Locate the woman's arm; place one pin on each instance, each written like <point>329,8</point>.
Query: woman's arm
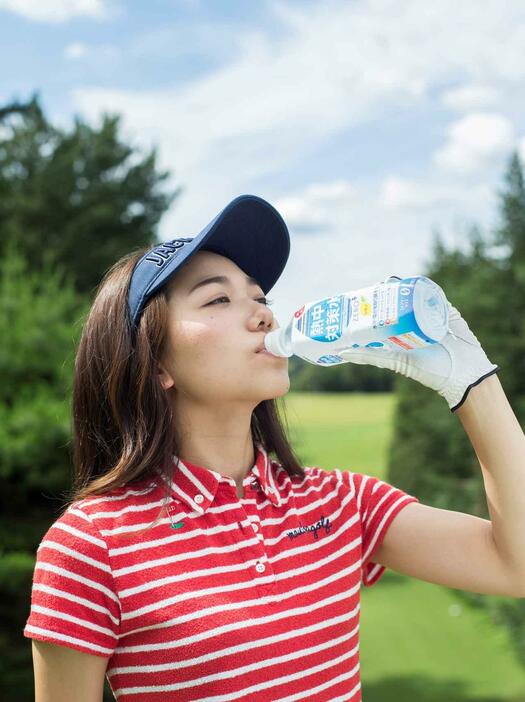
<point>63,674</point>
<point>499,443</point>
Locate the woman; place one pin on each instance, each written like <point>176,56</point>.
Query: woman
<point>189,564</point>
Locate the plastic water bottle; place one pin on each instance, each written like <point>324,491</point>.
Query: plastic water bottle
<point>396,314</point>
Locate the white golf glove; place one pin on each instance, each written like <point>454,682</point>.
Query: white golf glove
<point>451,367</point>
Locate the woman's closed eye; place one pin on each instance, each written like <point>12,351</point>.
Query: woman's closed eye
<point>264,300</point>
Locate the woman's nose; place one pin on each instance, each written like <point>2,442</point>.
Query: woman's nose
<point>265,316</point>
<point>268,319</point>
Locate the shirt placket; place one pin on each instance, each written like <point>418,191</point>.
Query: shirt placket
<point>262,571</point>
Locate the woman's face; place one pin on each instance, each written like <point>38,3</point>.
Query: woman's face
<point>213,333</point>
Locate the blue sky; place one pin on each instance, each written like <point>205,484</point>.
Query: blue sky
<point>368,124</point>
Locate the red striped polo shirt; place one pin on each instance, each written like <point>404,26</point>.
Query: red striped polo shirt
<point>254,598</point>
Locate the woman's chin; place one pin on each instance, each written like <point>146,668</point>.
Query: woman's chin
<point>277,389</point>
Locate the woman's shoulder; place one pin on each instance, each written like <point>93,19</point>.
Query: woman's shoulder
<point>321,476</point>
<point>97,508</point>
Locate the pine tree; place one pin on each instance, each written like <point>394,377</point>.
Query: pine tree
<point>431,455</point>
<point>71,203</point>
<point>82,192</point>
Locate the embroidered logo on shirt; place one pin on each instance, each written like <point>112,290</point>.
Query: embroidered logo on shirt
<point>323,522</point>
<point>177,526</point>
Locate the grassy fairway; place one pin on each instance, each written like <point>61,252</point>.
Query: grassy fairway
<point>418,641</point>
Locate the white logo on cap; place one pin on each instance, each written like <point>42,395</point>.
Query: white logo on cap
<point>167,250</point>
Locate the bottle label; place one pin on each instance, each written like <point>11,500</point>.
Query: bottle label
<point>326,319</point>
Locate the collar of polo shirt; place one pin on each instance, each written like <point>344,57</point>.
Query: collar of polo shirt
<point>197,486</point>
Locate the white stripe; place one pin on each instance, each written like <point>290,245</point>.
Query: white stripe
<point>57,614</point>
<point>361,491</point>
<point>314,487</point>
<point>154,543</point>
<point>243,647</point>
<point>346,476</point>
<point>210,611</point>
<point>246,669</point>
<point>378,530</point>
<point>173,537</point>
<point>174,487</point>
<point>378,484</point>
<point>195,481</point>
<point>307,694</point>
<point>42,565</point>
<point>243,585</point>
<point>385,497</point>
<point>373,571</point>
<point>79,513</point>
<point>190,555</point>
<point>232,506</point>
<point>365,515</point>
<point>92,500</point>
<point>299,612</point>
<point>54,546</point>
<point>74,598</point>
<point>68,639</point>
<point>180,577</point>
<point>80,534</point>
<point>269,476</point>
<point>191,534</point>
<point>141,527</point>
<point>145,565</point>
<point>187,535</point>
<point>128,509</point>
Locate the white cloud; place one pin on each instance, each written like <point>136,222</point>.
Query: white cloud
<point>313,209</point>
<point>474,142</point>
<point>79,50</point>
<point>75,50</point>
<point>339,65</point>
<point>402,193</point>
<point>358,245</point>
<point>56,11</point>
<point>467,98</point>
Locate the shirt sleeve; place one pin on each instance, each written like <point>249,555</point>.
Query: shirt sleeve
<point>73,597</point>
<point>378,503</point>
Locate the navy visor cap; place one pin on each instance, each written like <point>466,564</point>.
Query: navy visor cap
<point>249,231</point>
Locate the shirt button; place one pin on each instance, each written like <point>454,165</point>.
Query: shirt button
<point>260,567</point>
<point>255,526</point>
<point>199,499</point>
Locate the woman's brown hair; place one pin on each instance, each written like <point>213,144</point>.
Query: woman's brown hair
<point>123,426</point>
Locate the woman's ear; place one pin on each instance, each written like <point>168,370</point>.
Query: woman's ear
<point>165,378</point>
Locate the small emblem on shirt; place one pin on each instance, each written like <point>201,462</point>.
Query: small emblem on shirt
<point>323,522</point>
<point>177,526</point>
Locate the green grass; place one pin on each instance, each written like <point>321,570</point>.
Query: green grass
<point>340,430</point>
<point>418,641</point>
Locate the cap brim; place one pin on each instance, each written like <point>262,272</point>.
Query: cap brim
<point>249,231</point>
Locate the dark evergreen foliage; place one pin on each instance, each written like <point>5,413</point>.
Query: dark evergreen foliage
<point>431,455</point>
<point>71,203</point>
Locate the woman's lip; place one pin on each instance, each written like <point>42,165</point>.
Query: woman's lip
<point>267,353</point>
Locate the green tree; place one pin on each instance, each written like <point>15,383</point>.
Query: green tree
<point>346,377</point>
<point>71,203</point>
<point>39,326</point>
<point>84,193</point>
<point>431,455</point>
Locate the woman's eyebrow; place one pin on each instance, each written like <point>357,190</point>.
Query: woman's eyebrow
<point>220,279</point>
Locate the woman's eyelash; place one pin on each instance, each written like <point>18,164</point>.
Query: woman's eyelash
<point>266,301</point>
